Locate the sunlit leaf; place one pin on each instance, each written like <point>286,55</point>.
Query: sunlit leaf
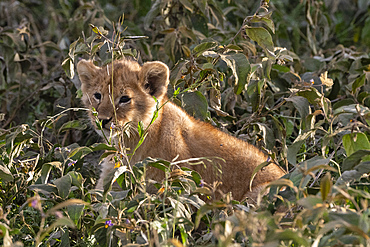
<point>79,152</point>
<point>325,186</point>
<point>46,168</point>
<point>355,142</point>
<point>68,67</point>
<point>77,179</point>
<point>262,37</point>
<point>325,80</point>
<point>102,146</point>
<point>202,47</point>
<point>45,189</point>
<point>187,4</point>
<point>112,176</point>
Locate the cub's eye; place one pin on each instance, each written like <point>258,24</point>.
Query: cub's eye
<point>124,99</point>
<point>97,96</point>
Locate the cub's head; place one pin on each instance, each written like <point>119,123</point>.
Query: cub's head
<point>122,92</point>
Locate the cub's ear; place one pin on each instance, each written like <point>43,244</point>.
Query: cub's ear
<point>154,77</point>
<point>86,71</point>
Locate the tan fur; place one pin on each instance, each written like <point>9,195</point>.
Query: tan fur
<point>174,133</point>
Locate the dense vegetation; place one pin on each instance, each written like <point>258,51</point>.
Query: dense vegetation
<point>291,77</point>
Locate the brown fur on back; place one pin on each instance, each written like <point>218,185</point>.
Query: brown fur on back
<point>174,133</point>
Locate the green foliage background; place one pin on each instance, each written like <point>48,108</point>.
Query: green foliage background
<point>291,77</point>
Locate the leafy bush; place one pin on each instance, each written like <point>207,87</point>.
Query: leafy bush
<point>293,79</point>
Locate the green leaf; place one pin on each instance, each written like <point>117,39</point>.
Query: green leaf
<point>154,11</point>
<point>79,153</point>
<point>254,92</point>
<point>356,171</point>
<point>77,179</point>
<point>112,176</point>
<point>281,68</point>
<point>262,37</point>
<point>357,147</point>
<point>45,189</point>
<point>187,4</point>
<point>97,47</point>
<point>119,196</point>
<point>199,23</point>
<point>101,236</point>
<point>162,165</point>
<point>301,104</point>
<point>293,150</point>
<point>363,167</point>
<point>64,221</point>
<point>363,96</point>
<point>5,174</point>
<point>207,66</point>
<point>74,124</point>
<point>169,45</point>
<point>325,186</point>
<point>46,168</point>
<point>202,47</point>
<point>269,23</point>
<point>359,82</point>
<point>196,177</point>
<point>310,202</point>
<point>64,239</point>
<point>17,39</point>
<point>216,12</point>
<point>265,19</point>
<point>313,96</point>
<point>313,165</point>
<point>102,146</point>
<point>352,108</point>
<point>233,47</point>
<point>207,208</point>
<point>75,212</point>
<point>68,67</point>
<point>65,204</point>
<point>354,142</point>
<point>283,182</point>
<point>241,69</point>
<point>63,185</point>
<point>195,104</point>
<point>354,159</point>
<point>295,236</point>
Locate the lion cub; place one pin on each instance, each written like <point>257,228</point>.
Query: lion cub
<point>174,134</point>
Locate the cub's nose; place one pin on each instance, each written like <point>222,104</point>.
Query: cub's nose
<point>104,122</point>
